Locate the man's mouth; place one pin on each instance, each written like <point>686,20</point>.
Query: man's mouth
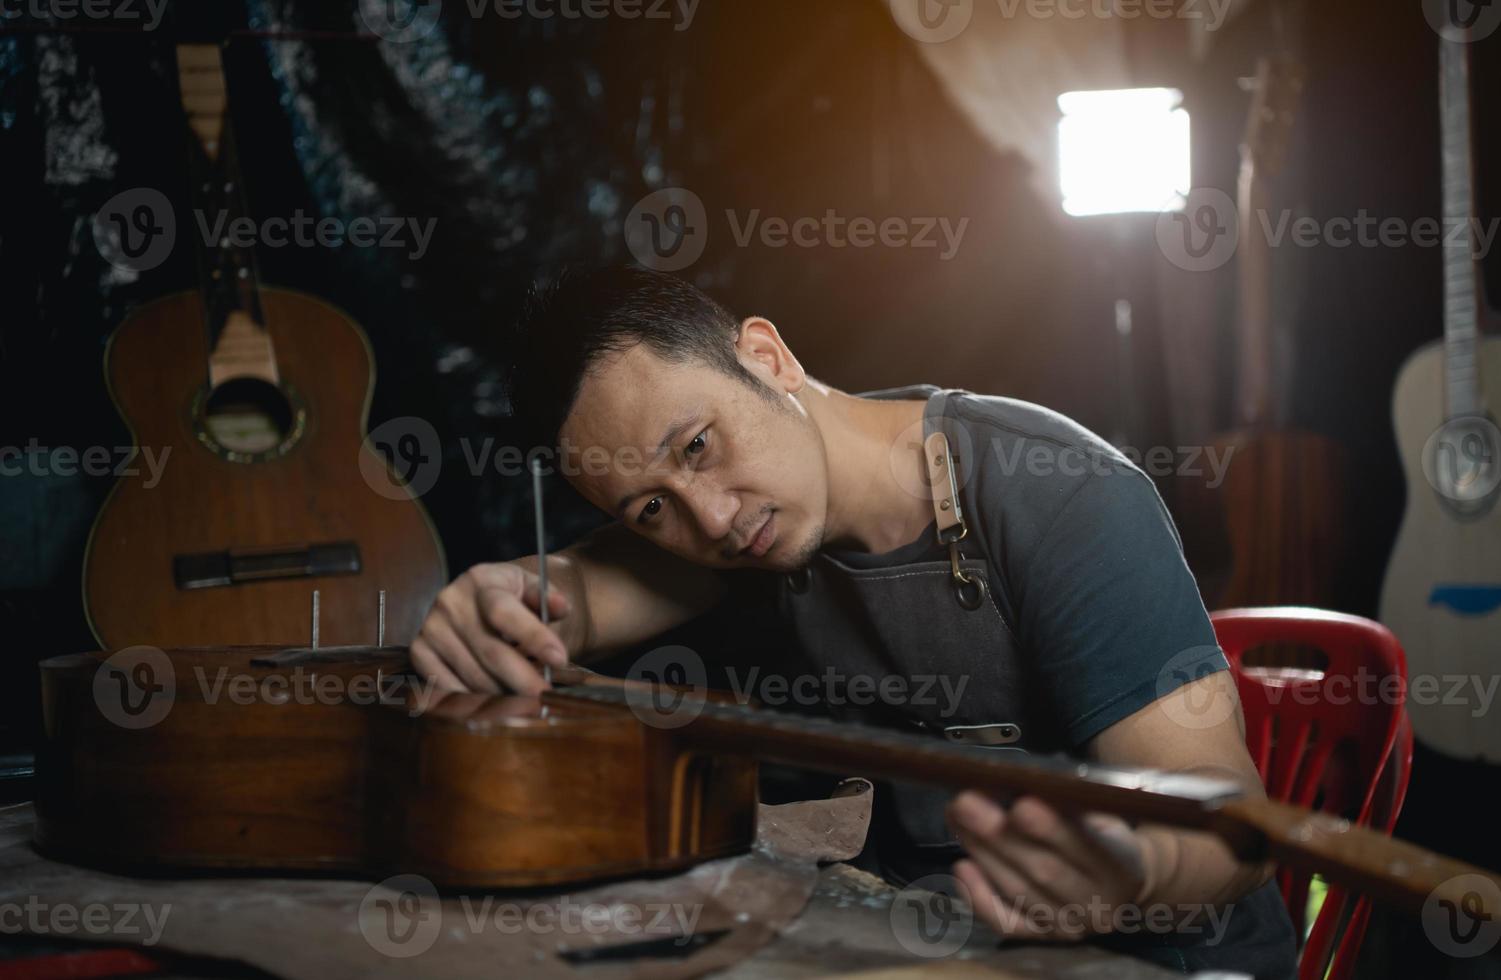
<point>761,542</point>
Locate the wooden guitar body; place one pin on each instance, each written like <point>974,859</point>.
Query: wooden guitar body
<point>339,765</point>
<point>337,761</point>
<point>1442,593</point>
<point>226,547</point>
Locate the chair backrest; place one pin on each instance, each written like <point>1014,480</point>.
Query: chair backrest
<point>1322,737</point>
<point>1319,737</point>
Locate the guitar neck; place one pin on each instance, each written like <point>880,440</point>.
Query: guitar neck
<point>1462,390</point>
<point>1256,829</point>
<point>228,279</point>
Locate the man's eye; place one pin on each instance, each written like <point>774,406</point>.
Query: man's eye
<point>653,506</point>
<point>698,445</point>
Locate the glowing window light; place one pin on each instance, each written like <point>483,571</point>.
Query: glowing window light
<point>1123,150</point>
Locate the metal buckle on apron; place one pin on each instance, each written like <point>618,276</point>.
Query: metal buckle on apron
<point>968,589</point>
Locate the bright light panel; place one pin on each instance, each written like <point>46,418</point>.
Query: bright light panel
<point>1123,150</point>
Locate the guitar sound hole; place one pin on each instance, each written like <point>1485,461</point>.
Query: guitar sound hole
<point>248,417</point>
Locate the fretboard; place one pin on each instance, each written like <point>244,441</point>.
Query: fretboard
<point>1461,274</point>
<point>845,748</point>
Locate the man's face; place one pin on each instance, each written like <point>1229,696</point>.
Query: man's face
<point>734,458</point>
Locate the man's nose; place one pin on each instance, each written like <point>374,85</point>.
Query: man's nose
<point>712,507</point>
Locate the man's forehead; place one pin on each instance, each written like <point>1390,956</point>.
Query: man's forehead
<point>632,399</point>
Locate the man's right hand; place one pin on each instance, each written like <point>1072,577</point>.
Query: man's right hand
<point>485,633</point>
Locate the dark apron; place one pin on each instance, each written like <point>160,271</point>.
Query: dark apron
<point>909,623</point>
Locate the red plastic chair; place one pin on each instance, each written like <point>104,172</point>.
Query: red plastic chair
<point>1336,739</point>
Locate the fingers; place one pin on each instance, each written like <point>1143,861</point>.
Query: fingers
<point>1043,871</point>
<point>432,667</point>
<point>439,636</point>
<point>509,617</point>
<point>482,636</point>
<point>558,603</point>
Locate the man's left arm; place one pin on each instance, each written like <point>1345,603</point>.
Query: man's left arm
<point>1084,870</point>
<point>1127,658</point>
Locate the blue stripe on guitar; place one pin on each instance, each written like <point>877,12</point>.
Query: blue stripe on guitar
<point>1467,600</point>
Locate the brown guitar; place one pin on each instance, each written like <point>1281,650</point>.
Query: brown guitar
<point>255,401</point>
<point>1283,489</point>
<point>335,760</point>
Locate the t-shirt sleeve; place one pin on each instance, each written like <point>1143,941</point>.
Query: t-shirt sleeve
<point>1108,609</point>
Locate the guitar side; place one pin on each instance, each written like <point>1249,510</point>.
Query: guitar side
<point>1442,592</point>
<point>195,501</point>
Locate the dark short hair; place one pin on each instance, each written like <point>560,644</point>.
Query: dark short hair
<point>570,324</point>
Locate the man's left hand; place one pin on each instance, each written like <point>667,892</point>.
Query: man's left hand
<point>1034,873</point>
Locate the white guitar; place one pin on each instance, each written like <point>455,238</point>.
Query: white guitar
<point>1442,594</point>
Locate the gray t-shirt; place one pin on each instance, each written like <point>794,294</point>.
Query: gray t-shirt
<point>1085,564</point>
<point>1091,614</point>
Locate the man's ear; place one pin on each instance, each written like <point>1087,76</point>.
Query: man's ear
<point>762,349</point>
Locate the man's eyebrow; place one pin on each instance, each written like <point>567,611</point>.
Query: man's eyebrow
<point>673,433</point>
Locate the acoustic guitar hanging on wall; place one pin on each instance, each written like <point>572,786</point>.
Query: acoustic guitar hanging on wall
<point>1442,593</point>
<point>256,398</point>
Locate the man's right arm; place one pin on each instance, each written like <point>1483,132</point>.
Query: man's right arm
<point>611,590</point>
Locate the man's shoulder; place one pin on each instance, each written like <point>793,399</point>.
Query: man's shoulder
<point>1028,461</point>
<point>995,422</point>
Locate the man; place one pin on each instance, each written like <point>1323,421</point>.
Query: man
<point>1063,620</point>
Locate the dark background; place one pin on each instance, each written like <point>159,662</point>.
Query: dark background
<point>530,141</point>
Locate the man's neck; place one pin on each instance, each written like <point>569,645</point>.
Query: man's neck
<point>875,457</point>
